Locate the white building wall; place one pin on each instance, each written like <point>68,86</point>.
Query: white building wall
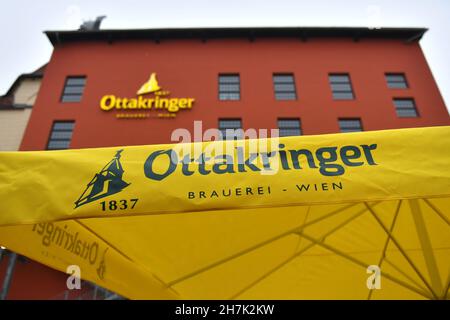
<point>14,122</point>
<point>12,128</point>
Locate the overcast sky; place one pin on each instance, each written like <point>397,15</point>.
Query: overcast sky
<point>25,48</point>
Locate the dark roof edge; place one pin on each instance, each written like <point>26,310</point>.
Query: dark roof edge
<point>37,74</point>
<point>15,106</point>
<point>406,34</point>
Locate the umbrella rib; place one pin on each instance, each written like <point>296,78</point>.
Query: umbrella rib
<point>427,248</point>
<point>304,221</point>
<point>254,247</point>
<point>320,242</point>
<point>400,248</point>
<point>120,252</point>
<point>383,254</point>
<point>269,273</point>
<point>405,274</point>
<point>104,240</point>
<point>443,217</point>
<point>438,212</point>
<point>343,255</point>
<point>295,255</point>
<point>356,261</point>
<point>374,251</point>
<point>445,293</point>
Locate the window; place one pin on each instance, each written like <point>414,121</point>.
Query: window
<point>289,127</point>
<point>406,108</point>
<point>396,81</point>
<point>61,135</point>
<point>350,125</point>
<point>73,90</point>
<point>284,86</point>
<point>231,129</point>
<point>229,87</point>
<point>341,87</point>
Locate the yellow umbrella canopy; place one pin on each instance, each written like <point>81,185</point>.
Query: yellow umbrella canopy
<point>345,216</point>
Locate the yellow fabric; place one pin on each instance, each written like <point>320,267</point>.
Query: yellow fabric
<point>389,207</point>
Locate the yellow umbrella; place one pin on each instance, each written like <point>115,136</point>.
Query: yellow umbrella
<point>345,216</point>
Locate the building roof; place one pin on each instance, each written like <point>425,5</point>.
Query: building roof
<point>7,100</point>
<point>14,106</point>
<point>303,33</point>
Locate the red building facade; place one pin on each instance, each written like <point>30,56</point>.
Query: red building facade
<point>189,63</point>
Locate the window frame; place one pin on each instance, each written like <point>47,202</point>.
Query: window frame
<point>275,83</point>
<point>391,74</point>
<point>53,130</point>
<point>290,127</point>
<point>414,107</point>
<point>220,78</point>
<point>340,120</point>
<point>335,92</point>
<point>224,135</point>
<point>65,94</point>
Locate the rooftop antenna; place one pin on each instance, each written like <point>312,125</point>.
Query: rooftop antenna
<point>92,25</point>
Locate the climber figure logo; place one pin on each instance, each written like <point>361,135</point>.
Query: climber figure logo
<point>105,183</point>
<point>150,86</point>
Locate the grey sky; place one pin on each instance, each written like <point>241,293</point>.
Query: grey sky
<point>25,48</point>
